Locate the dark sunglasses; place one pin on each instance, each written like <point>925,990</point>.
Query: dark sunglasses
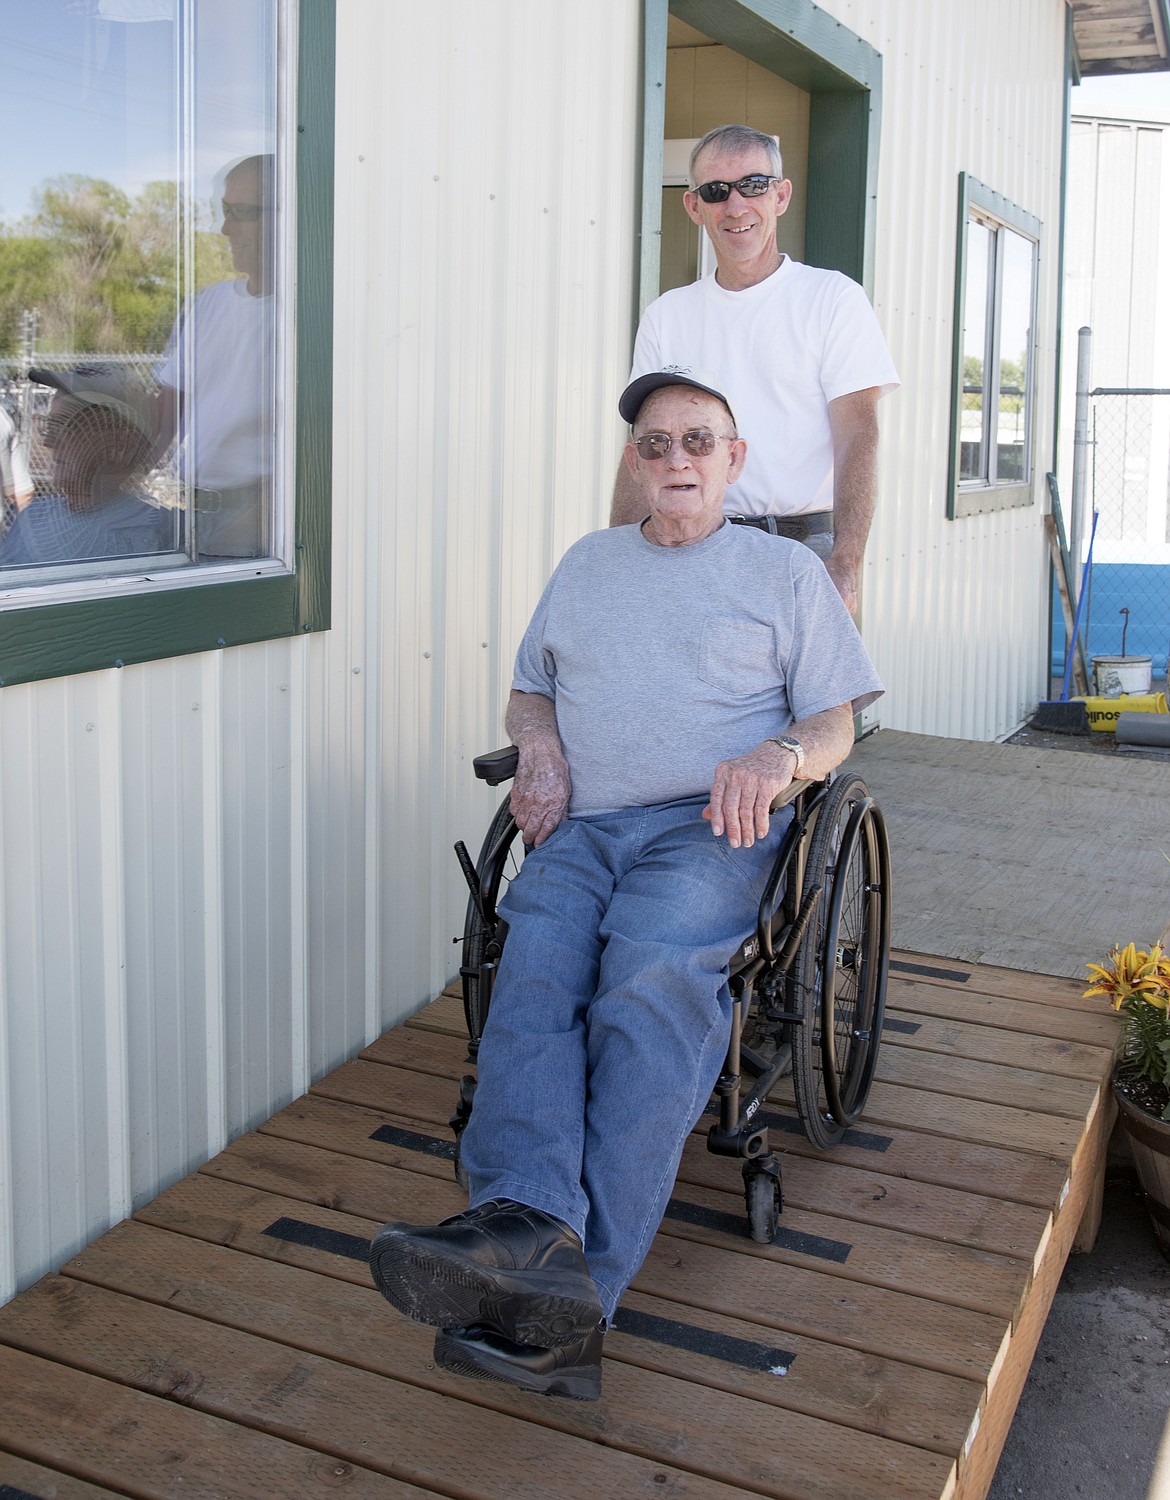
<point>698,443</point>
<point>754,186</point>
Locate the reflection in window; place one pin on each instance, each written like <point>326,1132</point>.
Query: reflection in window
<point>996,277</point>
<point>138,331</point>
<point>976,328</point>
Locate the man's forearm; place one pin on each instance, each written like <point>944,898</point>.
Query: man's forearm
<point>827,739</point>
<point>542,786</point>
<point>854,496</point>
<point>531,717</point>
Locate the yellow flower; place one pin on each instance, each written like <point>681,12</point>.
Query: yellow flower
<point>1133,972</point>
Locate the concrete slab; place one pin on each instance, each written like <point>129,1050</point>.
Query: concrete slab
<point>1040,858</point>
<point>1034,858</point>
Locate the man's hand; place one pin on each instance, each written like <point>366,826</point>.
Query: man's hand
<point>540,791</point>
<point>742,793</point>
<point>844,576</point>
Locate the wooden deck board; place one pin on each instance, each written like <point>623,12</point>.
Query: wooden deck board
<point>227,1341</point>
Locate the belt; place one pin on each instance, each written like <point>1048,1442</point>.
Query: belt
<point>814,523</point>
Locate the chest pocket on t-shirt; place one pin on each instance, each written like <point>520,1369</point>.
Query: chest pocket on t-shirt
<point>737,656</point>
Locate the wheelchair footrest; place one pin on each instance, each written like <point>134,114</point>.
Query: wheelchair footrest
<point>742,1140</point>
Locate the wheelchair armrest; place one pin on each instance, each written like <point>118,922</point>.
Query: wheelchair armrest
<point>789,794</point>
<point>497,765</point>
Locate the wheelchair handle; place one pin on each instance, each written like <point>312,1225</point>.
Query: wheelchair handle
<point>497,765</point>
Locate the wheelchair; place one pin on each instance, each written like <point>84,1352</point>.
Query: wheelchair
<point>808,986</point>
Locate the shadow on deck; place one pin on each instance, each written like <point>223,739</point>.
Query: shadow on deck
<point>227,1342</point>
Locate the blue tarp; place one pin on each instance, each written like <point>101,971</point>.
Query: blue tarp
<point>1143,588</point>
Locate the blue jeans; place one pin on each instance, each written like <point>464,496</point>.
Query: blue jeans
<point>609,1022</point>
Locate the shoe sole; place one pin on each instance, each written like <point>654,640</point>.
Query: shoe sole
<point>529,1307</point>
<point>576,1382</point>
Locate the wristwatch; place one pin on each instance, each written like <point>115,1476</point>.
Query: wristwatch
<point>795,746</point>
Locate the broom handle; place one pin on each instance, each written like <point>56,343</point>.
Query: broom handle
<point>1076,630</point>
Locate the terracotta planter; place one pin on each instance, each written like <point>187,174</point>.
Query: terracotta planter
<point>1150,1139</point>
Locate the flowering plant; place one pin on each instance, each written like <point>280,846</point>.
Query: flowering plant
<point>1138,983</point>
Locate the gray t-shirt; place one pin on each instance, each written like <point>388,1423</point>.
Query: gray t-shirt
<point>663,661</point>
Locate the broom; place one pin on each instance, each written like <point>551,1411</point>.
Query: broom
<point>1059,714</point>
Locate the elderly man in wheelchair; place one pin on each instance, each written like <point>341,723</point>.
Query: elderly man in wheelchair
<point>677,678</point>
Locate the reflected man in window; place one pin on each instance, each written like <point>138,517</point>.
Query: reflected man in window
<point>216,378</point>
<point>99,433</point>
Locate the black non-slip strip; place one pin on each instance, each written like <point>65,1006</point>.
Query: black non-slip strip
<point>864,1140</point>
<point>313,1237</point>
<point>908,1028</point>
<point>8,1493</point>
<point>413,1140</point>
<point>960,976</point>
<point>722,1346</point>
<point>785,1239</point>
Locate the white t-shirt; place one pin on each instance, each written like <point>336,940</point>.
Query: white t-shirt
<point>783,349</point>
<point>228,421</point>
<point>14,476</point>
<point>663,661</point>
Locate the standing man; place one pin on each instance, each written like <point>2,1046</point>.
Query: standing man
<point>801,352</point>
<point>216,377</point>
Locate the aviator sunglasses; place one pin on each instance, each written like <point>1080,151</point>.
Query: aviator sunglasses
<point>698,443</point>
<point>754,186</point>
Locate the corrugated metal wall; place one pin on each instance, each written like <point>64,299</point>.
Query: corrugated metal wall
<point>954,611</point>
<point>220,875</point>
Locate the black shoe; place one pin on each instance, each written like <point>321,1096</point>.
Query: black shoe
<point>514,1269</point>
<point>573,1370</point>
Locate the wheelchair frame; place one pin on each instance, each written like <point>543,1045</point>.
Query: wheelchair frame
<point>808,986</point>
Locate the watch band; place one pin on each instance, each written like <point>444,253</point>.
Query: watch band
<point>795,746</point>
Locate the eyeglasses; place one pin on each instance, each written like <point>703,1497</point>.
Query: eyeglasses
<point>243,213</point>
<point>698,443</point>
<point>754,186</point>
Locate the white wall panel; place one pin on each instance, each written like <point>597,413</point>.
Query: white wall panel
<point>955,611</point>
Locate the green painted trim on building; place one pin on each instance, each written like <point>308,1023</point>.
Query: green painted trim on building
<point>58,640</point>
<point>798,41</point>
<point>794,38</point>
<point>654,18</point>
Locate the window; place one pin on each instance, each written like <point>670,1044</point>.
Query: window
<point>175,189</point>
<point>995,314</point>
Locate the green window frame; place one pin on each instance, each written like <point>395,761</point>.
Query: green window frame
<point>93,633</point>
<point>993,367</point>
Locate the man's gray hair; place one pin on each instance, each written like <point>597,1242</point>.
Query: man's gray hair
<point>736,138</point>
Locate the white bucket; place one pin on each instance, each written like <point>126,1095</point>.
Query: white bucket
<point>1122,674</point>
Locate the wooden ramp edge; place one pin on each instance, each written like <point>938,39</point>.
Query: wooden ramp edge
<point>226,1342</point>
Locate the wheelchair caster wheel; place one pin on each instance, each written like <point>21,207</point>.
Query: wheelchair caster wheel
<point>761,1180</point>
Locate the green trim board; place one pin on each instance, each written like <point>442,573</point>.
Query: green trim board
<point>972,499</point>
<point>800,42</point>
<point>63,639</point>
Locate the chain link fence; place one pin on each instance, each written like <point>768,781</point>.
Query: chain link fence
<point>1127,611</point>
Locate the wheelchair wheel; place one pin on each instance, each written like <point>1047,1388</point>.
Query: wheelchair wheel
<point>484,932</point>
<point>842,964</point>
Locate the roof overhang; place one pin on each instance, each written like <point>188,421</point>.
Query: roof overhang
<point>1121,36</point>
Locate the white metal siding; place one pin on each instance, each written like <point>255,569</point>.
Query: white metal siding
<point>954,612</point>
<point>219,875</point>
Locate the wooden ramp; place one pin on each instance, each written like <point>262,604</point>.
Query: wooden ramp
<point>227,1342</point>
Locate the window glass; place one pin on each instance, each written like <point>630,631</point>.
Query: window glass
<point>976,328</point>
<point>1015,324</point>
<point>139,240</point>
